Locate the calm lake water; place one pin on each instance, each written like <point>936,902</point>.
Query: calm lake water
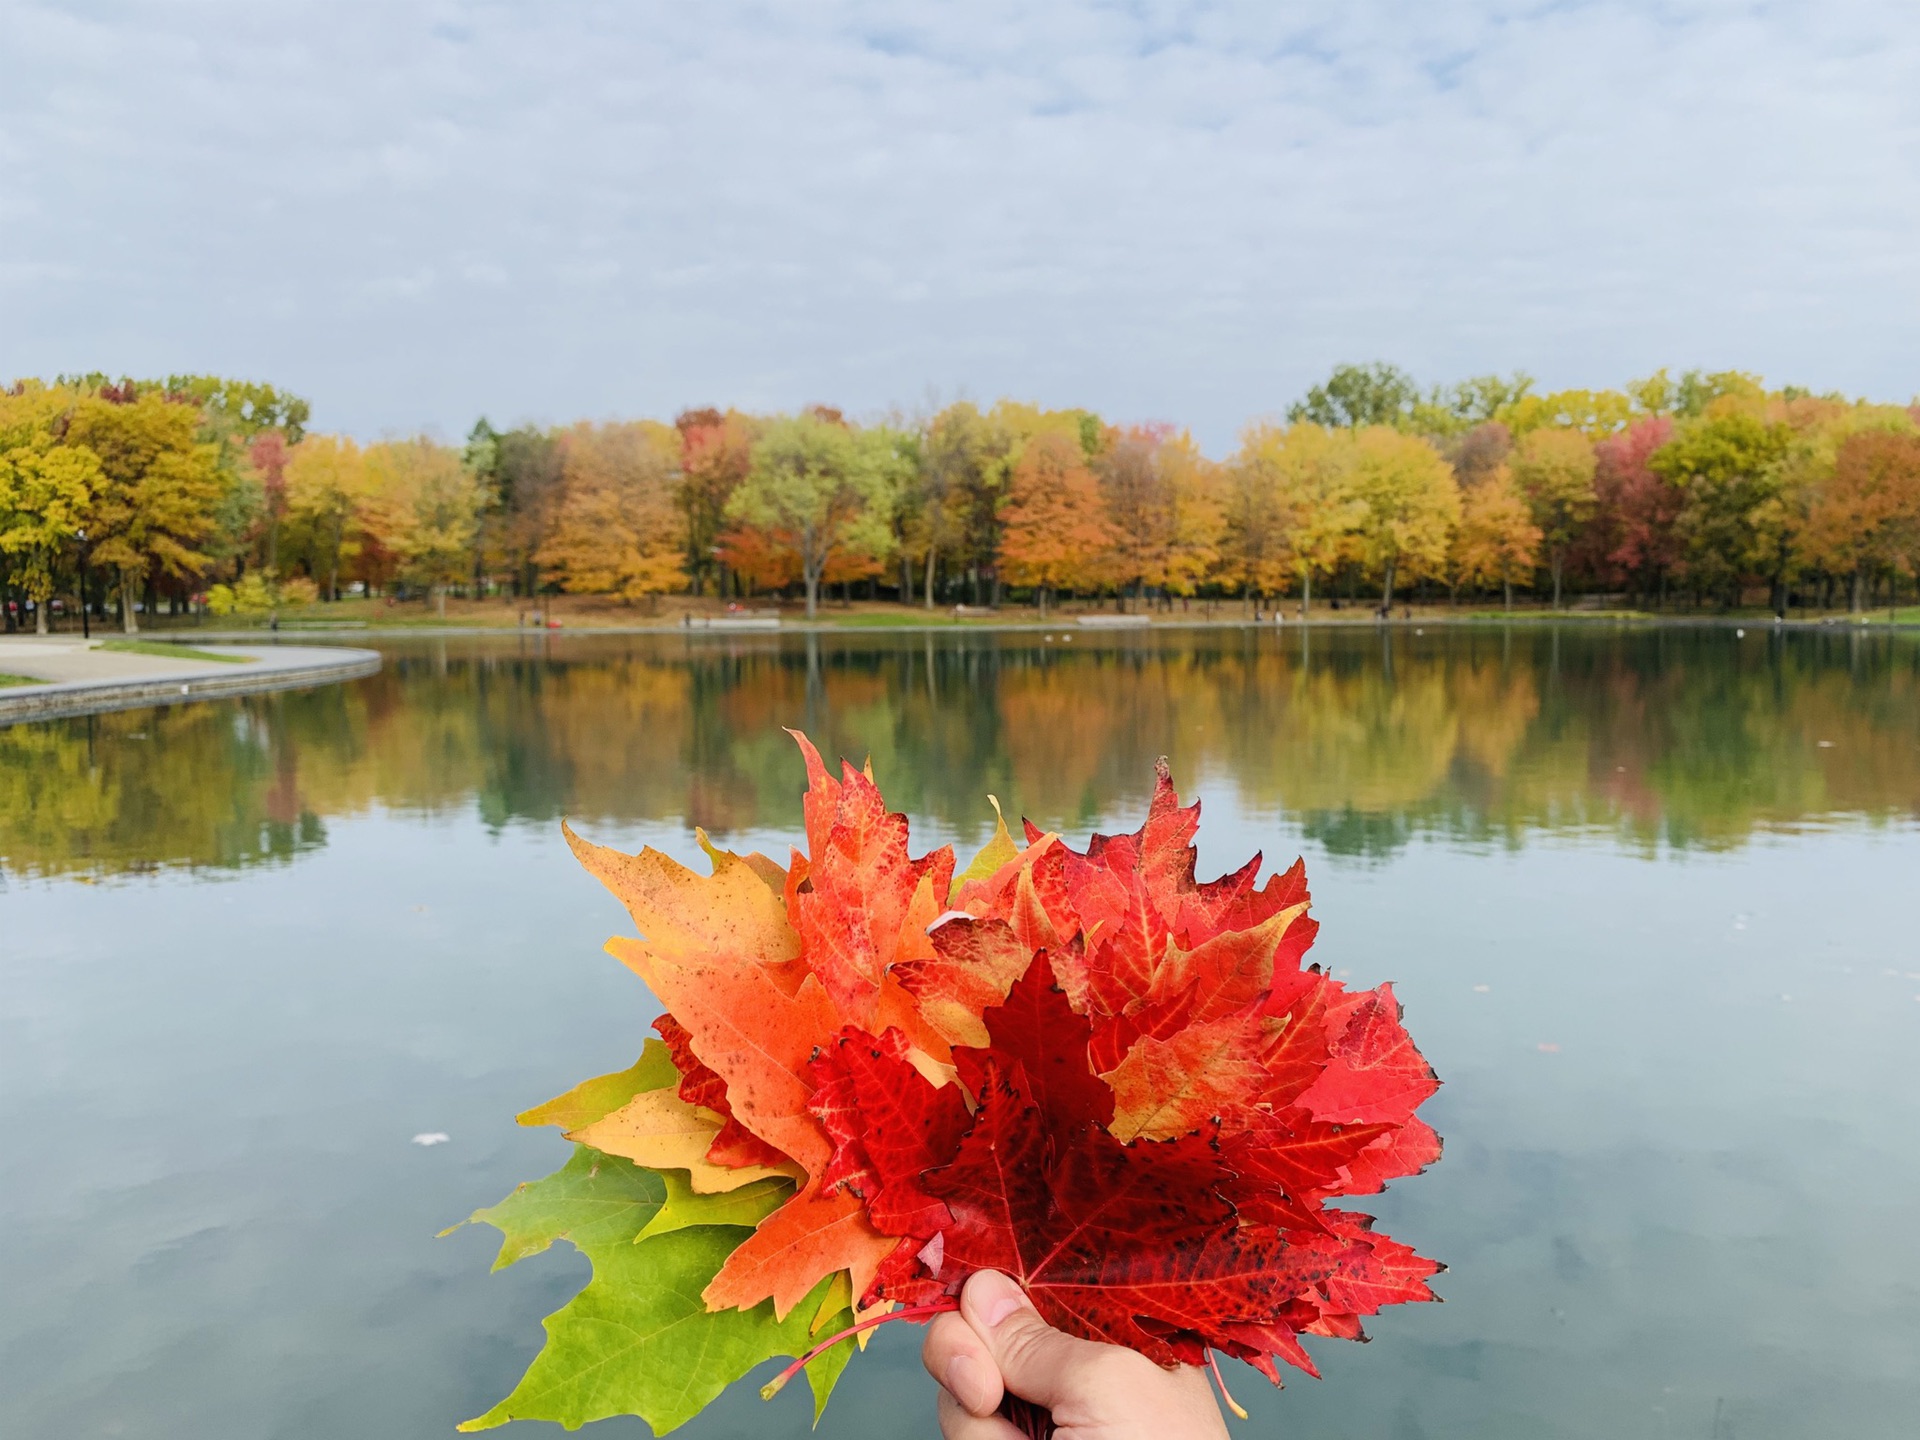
<point>1649,899</point>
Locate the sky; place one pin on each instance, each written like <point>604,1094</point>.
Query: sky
<point>418,213</point>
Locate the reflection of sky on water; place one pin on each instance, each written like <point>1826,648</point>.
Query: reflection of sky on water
<point>1679,1114</point>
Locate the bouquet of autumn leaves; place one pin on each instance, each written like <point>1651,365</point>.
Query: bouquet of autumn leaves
<point>874,1077</point>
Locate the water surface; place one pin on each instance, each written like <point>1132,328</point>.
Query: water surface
<point>1645,895</point>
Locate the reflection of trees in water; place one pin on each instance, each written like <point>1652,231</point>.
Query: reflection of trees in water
<point>1366,740</point>
<point>201,786</point>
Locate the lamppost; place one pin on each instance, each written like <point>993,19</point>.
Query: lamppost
<point>86,629</point>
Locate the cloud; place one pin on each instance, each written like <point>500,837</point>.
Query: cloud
<point>415,213</point>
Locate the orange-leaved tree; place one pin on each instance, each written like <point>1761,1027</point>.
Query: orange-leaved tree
<point>1054,530</point>
<point>1865,521</point>
<point>1497,539</point>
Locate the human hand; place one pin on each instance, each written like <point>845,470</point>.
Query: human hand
<point>997,1343</point>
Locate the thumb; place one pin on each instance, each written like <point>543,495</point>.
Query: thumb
<point>1036,1361</point>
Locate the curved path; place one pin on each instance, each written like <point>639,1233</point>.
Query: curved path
<point>80,679</point>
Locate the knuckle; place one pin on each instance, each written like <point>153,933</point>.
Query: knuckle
<point>1023,1342</point>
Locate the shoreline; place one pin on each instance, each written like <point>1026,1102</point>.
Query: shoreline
<point>1070,624</point>
<point>187,682</point>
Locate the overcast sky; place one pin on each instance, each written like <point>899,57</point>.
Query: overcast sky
<point>417,213</point>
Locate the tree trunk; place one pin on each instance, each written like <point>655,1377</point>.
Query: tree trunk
<point>812,578</point>
<point>440,600</point>
<point>40,615</point>
<point>1559,563</point>
<point>1042,590</point>
<point>1386,588</point>
<point>129,622</point>
<point>1507,585</point>
<point>1857,605</point>
<point>1306,592</point>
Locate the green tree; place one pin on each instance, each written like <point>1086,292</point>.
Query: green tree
<point>824,486</point>
<point>1725,466</point>
<point>1356,395</point>
<point>1554,469</point>
<point>948,487</point>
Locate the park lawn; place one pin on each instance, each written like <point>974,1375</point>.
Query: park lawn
<point>166,651</point>
<point>6,680</point>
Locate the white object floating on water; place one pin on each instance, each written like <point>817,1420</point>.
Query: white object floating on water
<point>1548,1047</point>
<point>432,1137</point>
<point>1825,744</point>
<point>1481,989</point>
<point>1739,634</point>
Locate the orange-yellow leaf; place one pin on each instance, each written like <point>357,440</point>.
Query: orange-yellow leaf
<point>1168,1088</point>
<point>806,1239</point>
<point>974,966</point>
<point>743,1025</point>
<point>728,915</point>
<point>661,1131</point>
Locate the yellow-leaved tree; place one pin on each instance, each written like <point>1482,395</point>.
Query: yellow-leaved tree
<point>1308,478</point>
<point>424,506</point>
<point>327,497</point>
<point>46,487</point>
<point>618,528</point>
<point>158,490</point>
<point>1554,470</point>
<point>1411,506</point>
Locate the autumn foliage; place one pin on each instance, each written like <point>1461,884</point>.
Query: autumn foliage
<point>1085,1068</point>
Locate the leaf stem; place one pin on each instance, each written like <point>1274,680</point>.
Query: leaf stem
<point>910,1312</point>
<point>1213,1363</point>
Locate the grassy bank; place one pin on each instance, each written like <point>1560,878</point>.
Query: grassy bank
<point>167,650</point>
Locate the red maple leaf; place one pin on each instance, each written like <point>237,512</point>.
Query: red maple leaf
<point>1116,1083</point>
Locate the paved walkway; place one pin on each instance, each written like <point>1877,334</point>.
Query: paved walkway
<point>81,677</point>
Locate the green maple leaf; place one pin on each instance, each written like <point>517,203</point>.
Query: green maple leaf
<point>639,1340</point>
<point>748,1205</point>
<point>593,1199</point>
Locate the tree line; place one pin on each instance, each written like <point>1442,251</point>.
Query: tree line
<point>1708,488</point>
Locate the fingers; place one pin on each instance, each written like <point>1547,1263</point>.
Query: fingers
<point>961,1362</point>
<point>1026,1355</point>
<point>957,1424</point>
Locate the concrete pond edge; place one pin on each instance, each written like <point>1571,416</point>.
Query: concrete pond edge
<point>318,665</point>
